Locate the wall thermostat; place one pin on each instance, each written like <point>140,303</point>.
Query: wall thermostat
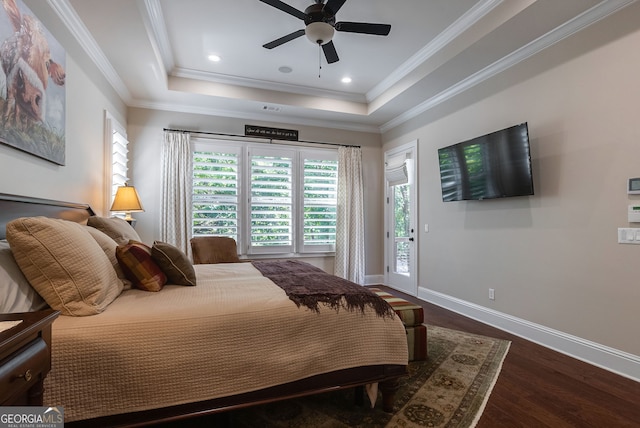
<point>633,188</point>
<point>634,213</point>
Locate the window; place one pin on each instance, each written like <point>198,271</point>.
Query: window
<point>117,158</point>
<point>276,199</point>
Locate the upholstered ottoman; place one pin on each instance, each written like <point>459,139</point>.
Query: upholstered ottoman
<point>412,317</point>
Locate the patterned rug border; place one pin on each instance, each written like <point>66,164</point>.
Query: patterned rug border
<point>498,369</point>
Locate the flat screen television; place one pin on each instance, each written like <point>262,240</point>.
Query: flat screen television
<point>496,165</point>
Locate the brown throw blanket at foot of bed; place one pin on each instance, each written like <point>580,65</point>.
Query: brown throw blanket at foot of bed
<point>309,286</point>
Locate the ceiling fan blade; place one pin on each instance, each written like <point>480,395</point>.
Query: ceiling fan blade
<point>363,27</point>
<point>286,8</point>
<point>284,39</point>
<point>334,5</point>
<point>330,52</point>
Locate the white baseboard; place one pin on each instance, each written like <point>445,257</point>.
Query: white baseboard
<point>614,360</point>
<point>373,279</point>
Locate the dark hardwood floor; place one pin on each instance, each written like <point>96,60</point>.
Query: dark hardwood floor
<point>539,387</point>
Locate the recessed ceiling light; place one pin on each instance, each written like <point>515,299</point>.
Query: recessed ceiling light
<point>285,69</point>
<point>213,58</point>
<point>346,80</point>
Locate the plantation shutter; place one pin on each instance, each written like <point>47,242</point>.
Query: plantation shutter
<point>216,189</point>
<point>119,158</point>
<point>320,172</point>
<point>271,201</point>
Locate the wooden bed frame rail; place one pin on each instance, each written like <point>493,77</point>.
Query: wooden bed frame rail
<point>387,377</point>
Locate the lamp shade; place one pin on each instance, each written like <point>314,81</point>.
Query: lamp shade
<point>127,200</point>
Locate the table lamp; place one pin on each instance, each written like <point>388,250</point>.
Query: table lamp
<point>127,201</point>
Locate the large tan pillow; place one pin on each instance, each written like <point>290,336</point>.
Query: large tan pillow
<point>109,246</point>
<point>116,228</point>
<point>64,264</point>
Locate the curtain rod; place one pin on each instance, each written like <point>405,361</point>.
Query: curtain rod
<point>291,142</point>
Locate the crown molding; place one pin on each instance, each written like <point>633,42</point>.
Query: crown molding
<point>451,33</point>
<point>157,31</point>
<point>266,85</point>
<point>591,16</point>
<point>77,28</point>
<point>266,117</point>
<point>154,13</point>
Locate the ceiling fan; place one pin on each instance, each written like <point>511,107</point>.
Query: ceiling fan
<point>320,24</point>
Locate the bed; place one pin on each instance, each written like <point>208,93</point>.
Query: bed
<point>236,339</point>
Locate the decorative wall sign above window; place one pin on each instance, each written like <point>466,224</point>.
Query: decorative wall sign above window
<point>275,133</point>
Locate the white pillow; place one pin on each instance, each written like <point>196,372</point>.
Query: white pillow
<point>16,294</point>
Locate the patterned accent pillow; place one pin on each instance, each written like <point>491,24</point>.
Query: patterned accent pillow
<point>115,228</point>
<point>64,264</point>
<point>136,263</point>
<point>174,263</point>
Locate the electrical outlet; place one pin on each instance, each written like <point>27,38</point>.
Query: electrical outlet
<point>492,294</point>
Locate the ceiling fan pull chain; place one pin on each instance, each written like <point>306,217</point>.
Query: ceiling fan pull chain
<point>319,59</point>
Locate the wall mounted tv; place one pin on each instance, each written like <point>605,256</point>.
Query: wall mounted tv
<point>496,165</point>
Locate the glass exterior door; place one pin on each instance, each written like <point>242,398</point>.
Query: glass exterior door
<point>400,246</point>
<point>402,233</point>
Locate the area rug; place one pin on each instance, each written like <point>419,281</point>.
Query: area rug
<point>449,389</point>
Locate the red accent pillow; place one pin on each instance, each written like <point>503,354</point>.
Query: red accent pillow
<point>138,266</point>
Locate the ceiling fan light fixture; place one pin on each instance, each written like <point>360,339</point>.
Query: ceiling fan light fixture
<point>319,32</point>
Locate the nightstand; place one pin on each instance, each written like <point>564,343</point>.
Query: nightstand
<point>25,357</point>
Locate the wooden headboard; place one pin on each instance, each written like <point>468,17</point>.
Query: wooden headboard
<point>14,206</point>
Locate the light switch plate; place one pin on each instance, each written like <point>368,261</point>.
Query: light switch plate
<point>629,235</point>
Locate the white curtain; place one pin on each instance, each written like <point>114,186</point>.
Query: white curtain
<point>349,262</point>
<point>175,204</point>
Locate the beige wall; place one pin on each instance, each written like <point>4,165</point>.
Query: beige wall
<point>553,258</point>
<point>145,131</point>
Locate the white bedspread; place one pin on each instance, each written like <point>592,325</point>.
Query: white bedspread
<point>234,332</point>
